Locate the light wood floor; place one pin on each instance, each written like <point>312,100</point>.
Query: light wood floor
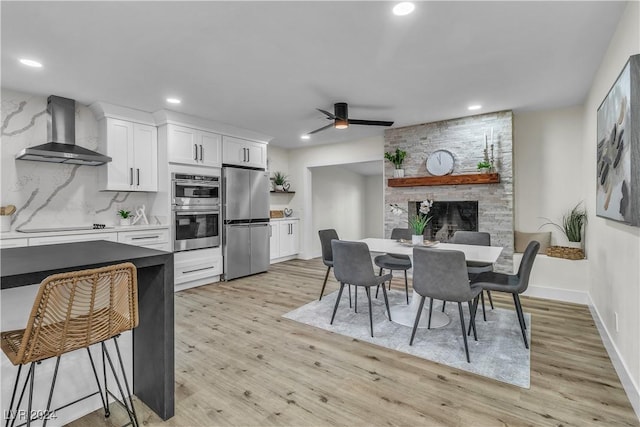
<point>239,363</point>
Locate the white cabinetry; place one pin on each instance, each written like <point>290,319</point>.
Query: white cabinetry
<point>70,238</point>
<point>242,152</point>
<point>193,147</point>
<point>152,239</point>
<point>195,268</point>
<point>285,240</point>
<point>133,148</point>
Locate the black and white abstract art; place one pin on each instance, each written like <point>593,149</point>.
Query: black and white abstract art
<point>618,168</point>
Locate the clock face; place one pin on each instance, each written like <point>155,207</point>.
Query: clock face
<point>440,163</point>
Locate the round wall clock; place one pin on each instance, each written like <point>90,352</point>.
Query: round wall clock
<point>440,162</point>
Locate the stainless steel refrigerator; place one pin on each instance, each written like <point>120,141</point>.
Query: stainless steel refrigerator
<point>245,215</point>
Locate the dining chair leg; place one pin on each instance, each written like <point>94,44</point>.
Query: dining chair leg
<point>521,312</point>
<point>490,299</point>
<point>326,276</point>
<point>366,289</point>
<point>516,301</point>
<point>484,315</point>
<point>443,304</point>
<point>430,311</point>
<point>378,287</point>
<point>355,291</point>
<point>30,404</point>
<point>13,396</point>
<point>472,324</point>
<point>104,399</point>
<point>464,332</point>
<point>349,295</point>
<point>337,302</point>
<point>415,323</point>
<point>473,312</point>
<point>406,286</point>
<point>386,301</point>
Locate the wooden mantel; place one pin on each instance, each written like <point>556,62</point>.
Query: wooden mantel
<point>464,179</point>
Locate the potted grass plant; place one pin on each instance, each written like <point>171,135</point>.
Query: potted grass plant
<point>572,226</point>
<point>396,158</point>
<point>125,217</point>
<point>417,223</point>
<point>279,180</point>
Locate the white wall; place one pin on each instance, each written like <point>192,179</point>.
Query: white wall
<point>300,162</point>
<point>613,248</point>
<point>338,201</point>
<point>548,168</point>
<point>374,206</point>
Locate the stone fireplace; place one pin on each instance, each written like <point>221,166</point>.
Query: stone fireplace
<point>447,218</point>
<point>476,207</point>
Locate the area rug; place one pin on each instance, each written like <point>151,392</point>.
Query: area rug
<point>499,352</point>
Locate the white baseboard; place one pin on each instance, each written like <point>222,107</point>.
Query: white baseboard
<point>630,387</point>
<point>558,294</point>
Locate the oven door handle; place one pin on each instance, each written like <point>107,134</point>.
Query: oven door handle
<point>184,213</point>
<point>196,183</point>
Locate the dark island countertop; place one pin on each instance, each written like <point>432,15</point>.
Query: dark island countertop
<point>153,339</point>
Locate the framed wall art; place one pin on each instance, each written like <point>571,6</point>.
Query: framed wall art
<point>618,131</point>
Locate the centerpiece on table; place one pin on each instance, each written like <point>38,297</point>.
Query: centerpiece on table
<point>418,222</point>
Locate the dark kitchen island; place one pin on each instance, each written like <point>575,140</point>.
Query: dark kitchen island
<point>153,339</point>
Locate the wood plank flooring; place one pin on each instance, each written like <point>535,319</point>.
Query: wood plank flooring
<point>239,363</point>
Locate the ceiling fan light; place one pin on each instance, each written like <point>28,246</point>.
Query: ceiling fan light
<point>341,124</point>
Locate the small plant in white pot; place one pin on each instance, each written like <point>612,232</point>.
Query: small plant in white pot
<point>484,166</point>
<point>279,180</point>
<point>396,158</point>
<point>572,227</point>
<point>125,217</point>
<point>417,223</point>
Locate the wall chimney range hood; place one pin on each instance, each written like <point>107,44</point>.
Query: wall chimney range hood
<point>61,134</point>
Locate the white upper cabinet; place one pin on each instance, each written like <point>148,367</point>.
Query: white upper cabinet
<point>130,138</point>
<point>242,152</point>
<point>133,148</point>
<point>193,147</point>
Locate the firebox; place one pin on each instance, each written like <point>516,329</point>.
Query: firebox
<point>447,218</point>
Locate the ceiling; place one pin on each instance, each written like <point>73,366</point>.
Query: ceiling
<point>267,66</point>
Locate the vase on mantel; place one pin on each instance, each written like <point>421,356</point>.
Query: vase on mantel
<point>417,239</point>
<point>398,173</point>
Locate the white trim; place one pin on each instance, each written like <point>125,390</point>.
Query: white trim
<point>558,294</point>
<point>629,385</point>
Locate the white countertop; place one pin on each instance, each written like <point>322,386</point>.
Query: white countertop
<point>117,228</point>
<point>286,218</point>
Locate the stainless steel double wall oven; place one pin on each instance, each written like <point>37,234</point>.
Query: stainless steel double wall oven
<point>196,211</point>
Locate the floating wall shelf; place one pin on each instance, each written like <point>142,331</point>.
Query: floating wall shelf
<point>282,192</point>
<point>464,179</point>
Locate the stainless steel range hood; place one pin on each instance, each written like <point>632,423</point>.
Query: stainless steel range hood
<point>61,134</point>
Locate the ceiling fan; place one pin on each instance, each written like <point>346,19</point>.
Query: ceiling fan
<point>341,119</point>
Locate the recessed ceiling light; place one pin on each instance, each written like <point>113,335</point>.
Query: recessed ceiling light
<point>404,8</point>
<point>474,107</point>
<point>173,101</point>
<point>30,63</point>
<point>305,137</point>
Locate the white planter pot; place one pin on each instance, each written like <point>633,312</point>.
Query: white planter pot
<point>398,173</point>
<point>125,221</point>
<point>279,188</point>
<point>484,170</point>
<point>417,239</point>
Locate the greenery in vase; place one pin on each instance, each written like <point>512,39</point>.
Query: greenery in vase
<point>124,214</point>
<point>396,158</point>
<point>573,223</point>
<point>279,178</point>
<point>419,222</point>
<point>484,165</point>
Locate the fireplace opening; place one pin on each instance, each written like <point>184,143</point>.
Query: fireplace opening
<point>447,218</point>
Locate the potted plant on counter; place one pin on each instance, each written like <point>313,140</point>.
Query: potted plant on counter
<point>125,217</point>
<point>279,180</point>
<point>397,158</point>
<point>484,166</point>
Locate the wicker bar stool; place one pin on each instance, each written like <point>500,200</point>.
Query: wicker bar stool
<point>73,311</point>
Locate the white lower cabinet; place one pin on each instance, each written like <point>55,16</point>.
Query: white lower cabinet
<point>285,238</point>
<point>13,243</point>
<point>197,267</point>
<point>152,239</point>
<point>70,238</point>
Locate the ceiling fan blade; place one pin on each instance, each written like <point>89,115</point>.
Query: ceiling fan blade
<point>369,122</point>
<point>320,129</point>
<point>330,115</point>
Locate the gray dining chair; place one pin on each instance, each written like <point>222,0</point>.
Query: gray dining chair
<point>442,274</point>
<point>479,238</point>
<point>326,236</point>
<point>515,284</point>
<point>393,262</point>
<point>352,265</point>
